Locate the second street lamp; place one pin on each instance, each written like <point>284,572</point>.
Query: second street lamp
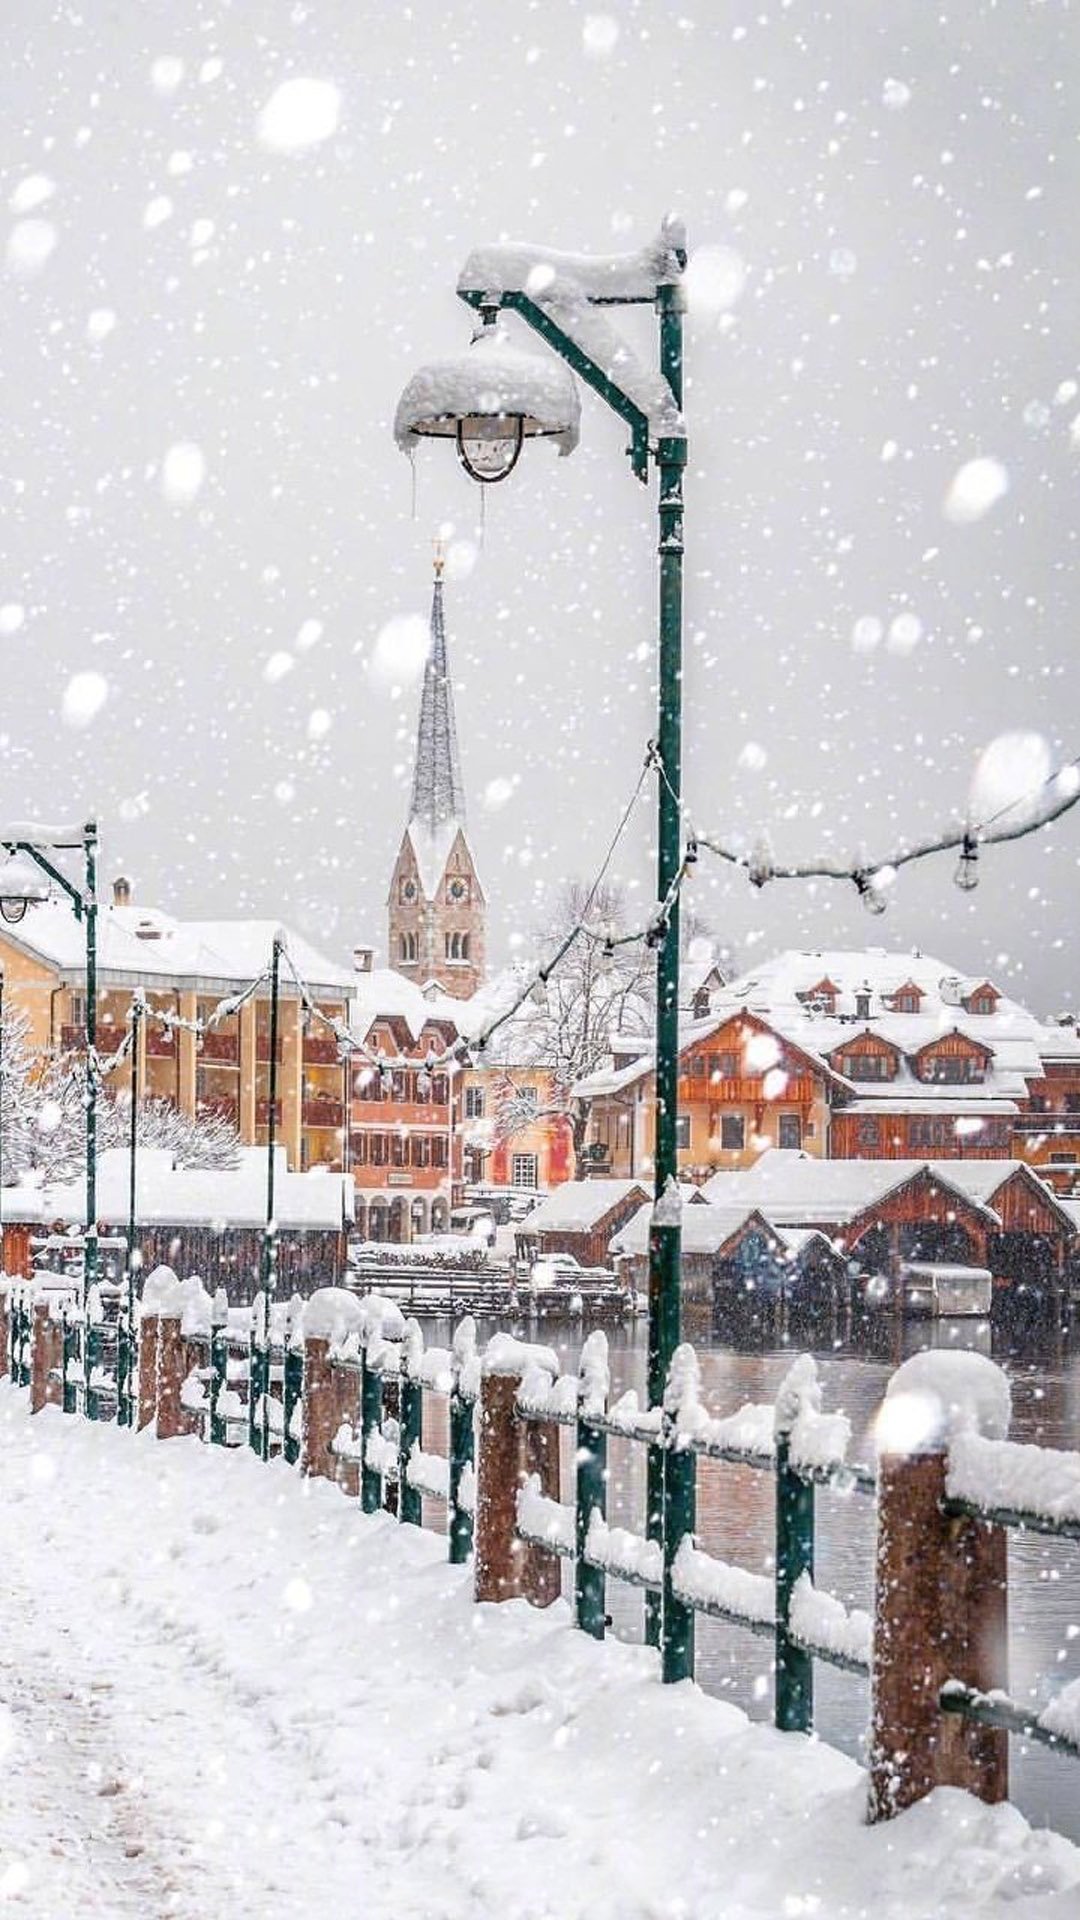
<point>493,398</point>
<point>27,877</point>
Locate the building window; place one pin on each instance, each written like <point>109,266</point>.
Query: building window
<point>682,1132</point>
<point>867,1066</point>
<point>474,1103</point>
<point>523,1170</point>
<point>408,947</point>
<point>789,1132</point>
<point>456,946</point>
<point>527,1097</point>
<point>696,1066</point>
<point>420,1150</point>
<point>866,1134</point>
<point>952,1069</point>
<point>1072,1103</point>
<point>732,1132</point>
<point>906,1002</point>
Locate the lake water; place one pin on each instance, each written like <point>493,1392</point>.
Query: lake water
<point>735,1513</point>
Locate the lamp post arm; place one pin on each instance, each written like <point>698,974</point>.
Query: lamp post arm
<point>580,363</point>
<point>75,894</point>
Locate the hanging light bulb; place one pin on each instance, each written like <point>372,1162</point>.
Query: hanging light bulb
<point>967,871</point>
<point>871,896</point>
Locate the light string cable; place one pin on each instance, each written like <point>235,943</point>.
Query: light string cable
<point>1046,801</point>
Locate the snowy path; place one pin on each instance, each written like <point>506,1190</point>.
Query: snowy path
<point>224,1691</point>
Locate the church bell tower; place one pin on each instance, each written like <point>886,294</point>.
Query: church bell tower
<point>436,907</point>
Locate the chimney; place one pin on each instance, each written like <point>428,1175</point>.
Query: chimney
<point>121,891</point>
<point>362,958</point>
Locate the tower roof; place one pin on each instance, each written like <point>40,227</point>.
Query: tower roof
<point>438,796</point>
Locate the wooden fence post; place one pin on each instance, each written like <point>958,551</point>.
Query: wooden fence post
<point>509,1451</point>
<point>47,1343</point>
<point>331,1394</point>
<point>940,1590</point>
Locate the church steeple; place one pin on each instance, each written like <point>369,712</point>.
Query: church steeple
<point>437,791</point>
<point>436,904</point>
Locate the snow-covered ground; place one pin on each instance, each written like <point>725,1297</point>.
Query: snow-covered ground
<point>226,1691</point>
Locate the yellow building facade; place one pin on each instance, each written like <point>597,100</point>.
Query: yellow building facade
<point>185,970</point>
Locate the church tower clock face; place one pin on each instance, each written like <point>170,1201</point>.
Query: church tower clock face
<point>457,890</point>
<point>408,891</point>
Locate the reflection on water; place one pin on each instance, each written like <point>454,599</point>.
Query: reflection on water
<point>735,1510</point>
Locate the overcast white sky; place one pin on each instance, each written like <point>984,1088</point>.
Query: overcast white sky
<point>900,182</point>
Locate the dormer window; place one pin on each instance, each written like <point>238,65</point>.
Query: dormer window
<point>906,999</point>
<point>867,1057</point>
<point>982,1000</point>
<point>866,1066</point>
<point>953,1061</point>
<point>820,998</point>
<point>862,1004</point>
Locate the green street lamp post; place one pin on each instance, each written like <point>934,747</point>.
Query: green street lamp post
<point>126,1338</point>
<point>259,1378</point>
<point>22,887</point>
<point>489,400</point>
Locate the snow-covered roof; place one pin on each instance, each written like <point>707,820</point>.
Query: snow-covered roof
<point>144,944</point>
<point>706,1229</point>
<point>578,1205</point>
<point>703,1229</point>
<point>798,1189</point>
<point>383,993</point>
<point>169,1195</point>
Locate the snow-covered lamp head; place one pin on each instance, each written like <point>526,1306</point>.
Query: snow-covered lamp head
<point>22,885</point>
<point>490,400</point>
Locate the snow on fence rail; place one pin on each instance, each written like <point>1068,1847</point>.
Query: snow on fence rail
<point>337,1386</point>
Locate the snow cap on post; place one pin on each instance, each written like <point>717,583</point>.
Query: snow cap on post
<point>162,1294</point>
<point>330,1314</point>
<point>504,1354</point>
<point>935,1396</point>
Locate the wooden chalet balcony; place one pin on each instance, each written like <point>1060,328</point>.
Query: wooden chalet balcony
<point>160,1043</point>
<point>1045,1123</point>
<point>744,1091</point>
<point>322,1113</point>
<point>220,1050</point>
<point>320,1050</point>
